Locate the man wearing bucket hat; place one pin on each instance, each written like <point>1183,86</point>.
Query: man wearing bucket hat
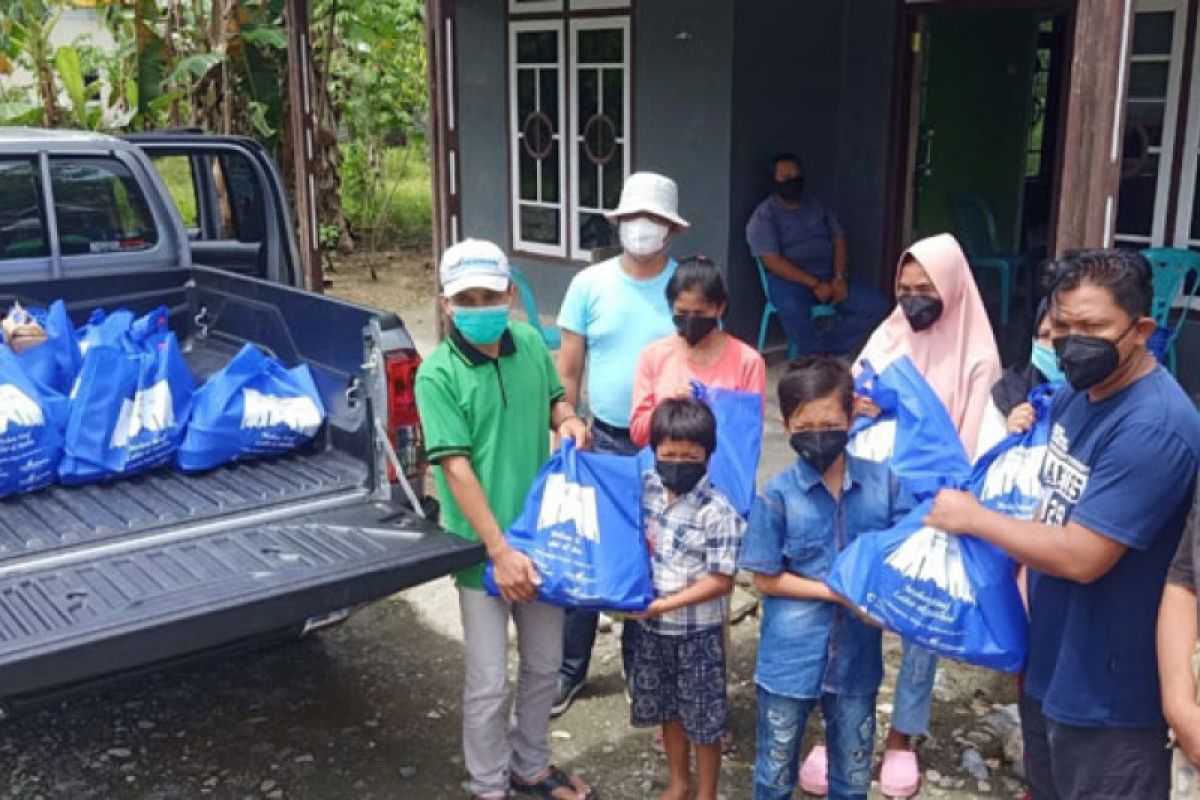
<point>489,396</point>
<point>611,311</point>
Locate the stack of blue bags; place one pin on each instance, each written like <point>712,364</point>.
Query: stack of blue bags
<point>115,398</point>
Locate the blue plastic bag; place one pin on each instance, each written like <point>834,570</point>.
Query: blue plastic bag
<point>104,328</point>
<point>873,438</point>
<point>30,430</point>
<point>734,465</point>
<point>1007,477</point>
<point>54,364</point>
<point>582,528</point>
<point>253,407</point>
<point>954,595</point>
<point>121,328</point>
<point>127,412</point>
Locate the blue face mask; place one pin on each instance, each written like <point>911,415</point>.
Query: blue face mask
<point>1045,361</point>
<point>482,325</point>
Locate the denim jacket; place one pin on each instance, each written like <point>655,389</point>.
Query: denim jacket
<point>811,647</point>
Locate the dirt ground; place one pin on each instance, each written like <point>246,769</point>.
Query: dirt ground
<point>371,709</point>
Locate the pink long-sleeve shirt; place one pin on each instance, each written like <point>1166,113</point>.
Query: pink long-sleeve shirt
<point>664,370</point>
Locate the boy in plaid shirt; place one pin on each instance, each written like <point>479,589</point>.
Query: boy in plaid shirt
<point>677,679</point>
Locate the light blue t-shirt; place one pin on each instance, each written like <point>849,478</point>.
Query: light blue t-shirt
<point>617,316</point>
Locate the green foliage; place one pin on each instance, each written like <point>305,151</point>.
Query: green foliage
<point>390,201</point>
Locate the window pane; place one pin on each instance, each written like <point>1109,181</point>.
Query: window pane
<point>602,46</point>
<point>176,172</point>
<point>1148,80</point>
<point>99,207</point>
<point>1195,228</point>
<point>595,231</point>
<point>22,234</point>
<point>548,80</point>
<point>1147,117</point>
<point>239,194</point>
<point>527,170</point>
<point>614,177</point>
<point>539,225</point>
<point>588,88</point>
<point>537,47</point>
<point>614,98</point>
<point>550,179</point>
<point>589,181</point>
<point>1135,203</point>
<point>1152,32</point>
<point>526,94</point>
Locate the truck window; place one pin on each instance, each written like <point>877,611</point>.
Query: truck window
<point>176,172</point>
<point>99,207</point>
<point>22,227</point>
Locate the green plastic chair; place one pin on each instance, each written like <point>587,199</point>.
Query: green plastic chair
<point>975,228</point>
<point>1171,267</point>
<point>551,335</point>
<point>819,311</point>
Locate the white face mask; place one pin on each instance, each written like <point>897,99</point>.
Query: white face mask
<point>642,236</point>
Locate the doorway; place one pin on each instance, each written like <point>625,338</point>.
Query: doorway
<point>985,113</point>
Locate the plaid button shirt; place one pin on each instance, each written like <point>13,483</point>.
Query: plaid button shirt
<point>696,534</point>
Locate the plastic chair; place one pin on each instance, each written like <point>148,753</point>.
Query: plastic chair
<point>975,228</point>
<point>819,311</point>
<point>551,335</point>
<point>1171,267</point>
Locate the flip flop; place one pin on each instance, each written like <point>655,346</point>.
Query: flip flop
<point>545,788</point>
<point>814,774</point>
<point>900,776</point>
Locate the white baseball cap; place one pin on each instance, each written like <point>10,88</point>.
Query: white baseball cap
<point>473,264</point>
<point>649,193</point>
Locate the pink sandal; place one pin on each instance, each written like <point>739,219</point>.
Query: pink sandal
<point>900,776</point>
<point>814,774</point>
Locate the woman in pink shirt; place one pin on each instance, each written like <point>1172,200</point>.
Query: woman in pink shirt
<point>700,351</point>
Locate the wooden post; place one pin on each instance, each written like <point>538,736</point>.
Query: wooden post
<point>1090,172</point>
<point>443,131</point>
<point>302,116</point>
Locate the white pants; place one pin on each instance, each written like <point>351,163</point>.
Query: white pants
<point>491,747</point>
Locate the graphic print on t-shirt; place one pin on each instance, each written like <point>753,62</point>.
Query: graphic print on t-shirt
<point>1064,478</point>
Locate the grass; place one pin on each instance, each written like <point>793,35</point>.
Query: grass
<point>176,172</point>
<point>400,208</point>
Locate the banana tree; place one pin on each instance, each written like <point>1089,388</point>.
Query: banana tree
<point>25,31</point>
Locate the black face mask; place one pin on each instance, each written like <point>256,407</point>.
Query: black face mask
<point>921,310</point>
<point>680,477</point>
<point>791,189</point>
<point>694,328</point>
<point>819,448</point>
<point>1088,360</point>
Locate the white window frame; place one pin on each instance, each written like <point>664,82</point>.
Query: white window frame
<point>621,22</point>
<point>1182,235</point>
<point>537,248</point>
<point>535,6</point>
<point>1165,151</point>
<point>595,5</point>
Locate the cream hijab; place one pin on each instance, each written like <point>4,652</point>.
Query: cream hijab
<point>957,354</point>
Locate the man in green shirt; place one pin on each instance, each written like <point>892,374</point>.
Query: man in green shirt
<point>488,397</point>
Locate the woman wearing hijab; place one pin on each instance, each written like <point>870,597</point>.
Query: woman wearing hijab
<point>941,324</point>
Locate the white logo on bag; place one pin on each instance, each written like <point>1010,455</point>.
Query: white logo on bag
<point>874,443</point>
<point>1016,472</point>
<point>569,502</point>
<point>18,408</point>
<point>935,556</point>
<point>260,410</point>
<point>149,410</point>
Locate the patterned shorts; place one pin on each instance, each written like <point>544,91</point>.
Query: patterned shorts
<point>680,679</point>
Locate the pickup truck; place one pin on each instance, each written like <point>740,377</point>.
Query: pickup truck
<point>109,579</point>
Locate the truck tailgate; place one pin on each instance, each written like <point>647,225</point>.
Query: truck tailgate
<point>72,615</point>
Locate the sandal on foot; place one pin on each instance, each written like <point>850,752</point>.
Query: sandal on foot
<point>814,774</point>
<point>900,776</point>
<point>554,780</point>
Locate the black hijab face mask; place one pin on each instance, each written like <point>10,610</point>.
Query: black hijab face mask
<point>694,328</point>
<point>1088,360</point>
<point>680,477</point>
<point>921,310</point>
<point>819,448</point>
<point>790,189</point>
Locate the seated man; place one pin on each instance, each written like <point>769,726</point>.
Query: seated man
<point>804,252</point>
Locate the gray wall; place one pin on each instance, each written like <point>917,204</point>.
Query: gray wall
<point>814,78</point>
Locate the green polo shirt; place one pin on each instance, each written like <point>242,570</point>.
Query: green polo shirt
<point>496,411</point>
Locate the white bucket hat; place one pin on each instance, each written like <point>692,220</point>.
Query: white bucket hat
<point>474,264</point>
<point>649,193</point>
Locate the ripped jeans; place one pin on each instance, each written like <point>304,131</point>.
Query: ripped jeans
<point>849,733</point>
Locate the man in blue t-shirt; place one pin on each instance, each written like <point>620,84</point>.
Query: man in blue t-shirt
<point>803,250</point>
<point>1117,485</point>
<point>611,311</point>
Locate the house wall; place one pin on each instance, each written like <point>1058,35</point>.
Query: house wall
<point>814,78</point>
<point>682,89</point>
